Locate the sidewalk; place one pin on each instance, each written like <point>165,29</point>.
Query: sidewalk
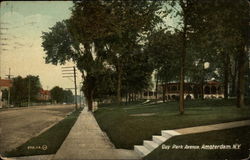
<point>87,141</point>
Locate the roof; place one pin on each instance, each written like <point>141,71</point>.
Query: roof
<point>44,92</point>
<point>5,83</point>
<point>214,82</point>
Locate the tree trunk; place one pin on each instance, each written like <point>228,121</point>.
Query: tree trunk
<point>181,102</point>
<point>241,81</point>
<point>156,86</point>
<point>90,102</point>
<point>126,97</point>
<point>129,97</point>
<point>226,73</point>
<point>234,77</point>
<point>202,88</point>
<point>119,83</point>
<point>182,74</point>
<point>88,89</point>
<point>164,92</point>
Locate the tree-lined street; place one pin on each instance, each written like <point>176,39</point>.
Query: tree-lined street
<point>19,125</point>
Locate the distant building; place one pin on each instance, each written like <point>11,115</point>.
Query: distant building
<point>211,89</point>
<point>44,95</point>
<point>5,84</point>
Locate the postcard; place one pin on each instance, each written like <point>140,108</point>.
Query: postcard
<point>125,80</point>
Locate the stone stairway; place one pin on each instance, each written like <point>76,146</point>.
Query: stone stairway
<point>149,146</point>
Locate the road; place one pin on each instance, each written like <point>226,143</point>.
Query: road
<point>19,125</point>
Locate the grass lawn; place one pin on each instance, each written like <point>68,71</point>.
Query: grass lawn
<point>230,137</point>
<point>126,130</point>
<point>49,141</point>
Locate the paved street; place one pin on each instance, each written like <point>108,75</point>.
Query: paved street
<point>19,125</point>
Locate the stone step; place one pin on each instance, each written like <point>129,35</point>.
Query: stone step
<point>159,139</point>
<point>141,150</point>
<point>150,145</point>
<point>169,133</point>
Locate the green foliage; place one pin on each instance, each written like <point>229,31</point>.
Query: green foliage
<point>68,96</point>
<point>59,45</point>
<point>23,88</point>
<point>106,85</point>
<point>164,53</point>
<point>61,96</point>
<point>122,42</point>
<point>115,27</point>
<point>112,28</point>
<point>137,73</point>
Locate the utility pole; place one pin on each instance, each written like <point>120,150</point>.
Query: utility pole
<point>9,77</point>
<point>80,93</point>
<point>29,92</point>
<point>75,86</point>
<point>69,72</point>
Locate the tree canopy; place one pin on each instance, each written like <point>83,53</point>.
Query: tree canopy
<point>118,45</point>
<point>59,95</point>
<point>23,88</point>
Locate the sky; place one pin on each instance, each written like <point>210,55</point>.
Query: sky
<point>22,24</point>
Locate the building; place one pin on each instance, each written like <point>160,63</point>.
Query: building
<point>5,85</point>
<point>170,91</point>
<point>44,95</point>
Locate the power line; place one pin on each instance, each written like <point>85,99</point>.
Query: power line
<point>9,77</point>
<point>70,74</point>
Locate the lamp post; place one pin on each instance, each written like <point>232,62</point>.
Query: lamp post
<point>205,66</point>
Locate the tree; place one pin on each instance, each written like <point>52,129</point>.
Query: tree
<point>57,94</point>
<point>106,85</point>
<point>68,96</point>
<point>99,31</point>
<point>163,50</point>
<point>118,24</point>
<point>227,30</point>
<point>225,27</point>
<point>183,10</point>
<point>60,46</point>
<point>137,74</point>
<point>24,89</point>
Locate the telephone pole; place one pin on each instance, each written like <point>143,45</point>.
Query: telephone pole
<point>75,86</point>
<point>69,72</point>
<point>9,77</point>
<point>29,92</point>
